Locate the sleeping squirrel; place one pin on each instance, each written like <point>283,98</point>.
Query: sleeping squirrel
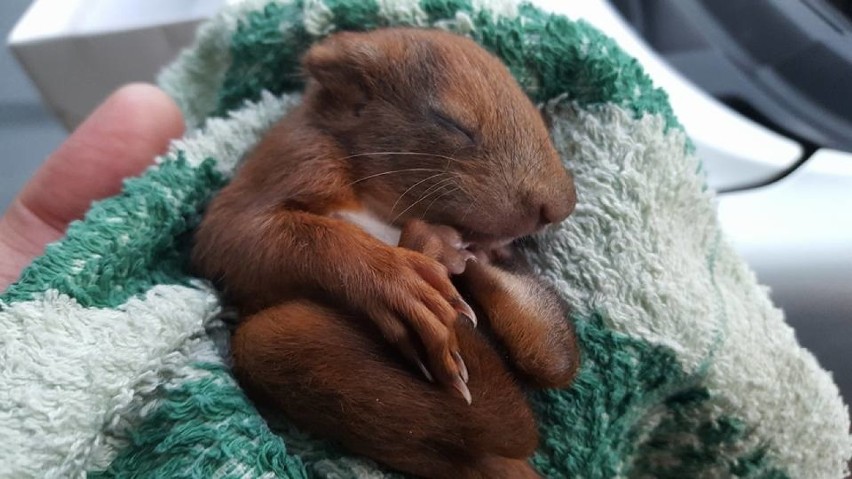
<point>369,244</point>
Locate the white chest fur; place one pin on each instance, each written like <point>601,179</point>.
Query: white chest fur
<point>372,224</point>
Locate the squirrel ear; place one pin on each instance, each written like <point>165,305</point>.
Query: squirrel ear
<point>341,64</point>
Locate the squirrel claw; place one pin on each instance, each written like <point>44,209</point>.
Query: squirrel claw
<point>461,387</point>
<point>462,367</point>
<point>468,256</point>
<point>425,371</point>
<point>465,310</point>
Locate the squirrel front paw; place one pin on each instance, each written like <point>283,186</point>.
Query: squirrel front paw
<point>416,307</point>
<point>442,243</point>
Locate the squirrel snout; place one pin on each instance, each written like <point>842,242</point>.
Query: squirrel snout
<point>549,195</point>
<point>555,205</point>
<point>554,212</point>
<point>551,213</point>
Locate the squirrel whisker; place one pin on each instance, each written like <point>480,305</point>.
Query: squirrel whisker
<point>404,170</point>
<point>393,208</point>
<point>423,197</point>
<point>403,153</point>
<point>446,192</point>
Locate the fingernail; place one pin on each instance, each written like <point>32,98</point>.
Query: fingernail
<point>468,256</point>
<point>461,387</point>
<point>425,371</point>
<point>466,311</point>
<point>462,366</point>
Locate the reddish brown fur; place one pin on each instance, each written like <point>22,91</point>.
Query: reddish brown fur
<point>318,293</point>
<point>328,373</point>
<point>325,369</point>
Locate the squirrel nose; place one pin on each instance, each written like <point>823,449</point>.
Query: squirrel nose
<point>554,203</point>
<point>551,213</point>
<point>557,207</point>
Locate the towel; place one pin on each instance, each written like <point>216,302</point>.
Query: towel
<point>114,359</point>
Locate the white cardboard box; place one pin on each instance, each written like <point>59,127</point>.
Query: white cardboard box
<point>78,51</point>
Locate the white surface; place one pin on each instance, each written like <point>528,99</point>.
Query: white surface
<point>801,225</point>
<point>78,51</point>
<point>62,18</point>
<point>735,151</point>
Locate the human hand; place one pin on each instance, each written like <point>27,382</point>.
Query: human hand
<point>119,139</point>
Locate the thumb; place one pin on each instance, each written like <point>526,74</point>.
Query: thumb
<point>119,139</point>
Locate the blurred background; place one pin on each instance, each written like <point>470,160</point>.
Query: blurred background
<point>28,130</point>
<point>764,88</point>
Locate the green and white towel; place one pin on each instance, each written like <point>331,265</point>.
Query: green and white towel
<point>112,360</point>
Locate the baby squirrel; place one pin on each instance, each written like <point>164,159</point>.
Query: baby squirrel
<point>348,233</point>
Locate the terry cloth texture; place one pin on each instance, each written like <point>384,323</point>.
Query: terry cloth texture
<point>112,356</point>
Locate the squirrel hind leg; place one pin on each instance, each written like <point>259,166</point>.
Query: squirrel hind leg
<point>530,321</point>
<point>333,375</point>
